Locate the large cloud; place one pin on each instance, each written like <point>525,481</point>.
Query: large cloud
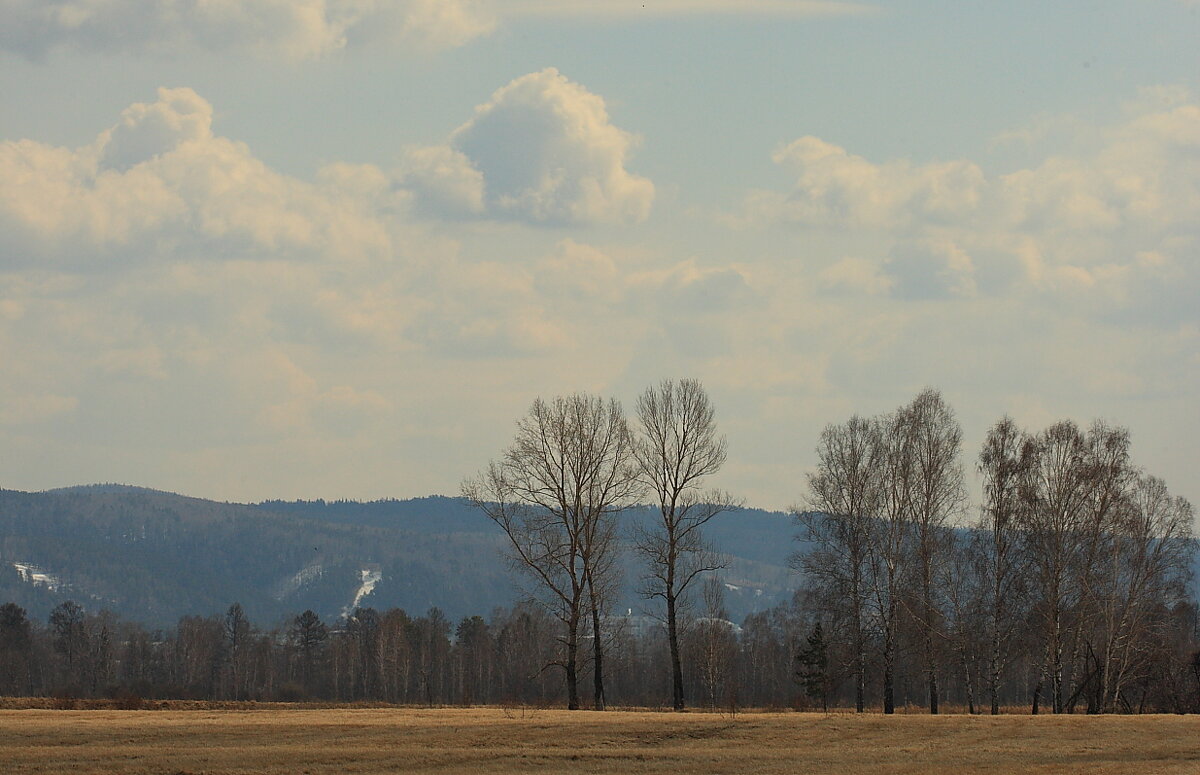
<point>294,29</point>
<point>174,311</point>
<point>165,292</point>
<point>1068,225</point>
<point>160,183</point>
<point>541,150</point>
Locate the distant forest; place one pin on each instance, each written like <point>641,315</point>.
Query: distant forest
<point>1065,587</point>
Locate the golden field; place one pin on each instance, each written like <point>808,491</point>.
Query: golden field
<point>492,740</point>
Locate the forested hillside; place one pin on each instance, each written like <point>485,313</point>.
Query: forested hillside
<point>153,557</point>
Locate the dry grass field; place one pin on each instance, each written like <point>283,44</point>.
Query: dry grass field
<point>297,741</point>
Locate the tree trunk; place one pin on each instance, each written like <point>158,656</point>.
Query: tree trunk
<point>889,689</point>
<point>598,665</point>
<point>860,677</point>
<point>889,658</point>
<point>1056,676</point>
<point>572,669</point>
<point>968,682</point>
<point>676,662</point>
<point>860,644</point>
<point>994,672</point>
<point>933,683</point>
<point>927,626</point>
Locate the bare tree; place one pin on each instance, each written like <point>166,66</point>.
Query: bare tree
<point>1058,491</point>
<point>678,447</point>
<point>68,622</point>
<point>237,642</point>
<point>890,543</point>
<point>838,520</point>
<point>965,578</point>
<point>935,499</point>
<point>1150,551</point>
<point>716,644</point>
<point>555,492</point>
<point>603,579</point>
<point>1003,463</point>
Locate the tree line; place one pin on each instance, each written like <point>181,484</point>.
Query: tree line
<point>1064,588</point>
<point>1069,589</point>
<point>1067,584</point>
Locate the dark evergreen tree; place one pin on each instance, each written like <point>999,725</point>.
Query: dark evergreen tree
<point>15,649</point>
<point>812,667</point>
<point>307,635</point>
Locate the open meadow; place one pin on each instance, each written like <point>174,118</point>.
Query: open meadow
<point>492,740</point>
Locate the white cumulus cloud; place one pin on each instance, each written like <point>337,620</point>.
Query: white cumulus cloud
<point>1073,224</point>
<point>542,150</point>
<point>835,187</point>
<point>160,183</point>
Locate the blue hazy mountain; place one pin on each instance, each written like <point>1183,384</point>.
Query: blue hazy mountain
<point>154,556</point>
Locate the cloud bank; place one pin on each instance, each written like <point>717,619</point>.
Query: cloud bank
<point>160,184</point>
<point>232,329</point>
<point>1113,224</point>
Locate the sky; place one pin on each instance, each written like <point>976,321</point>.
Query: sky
<point>259,249</point>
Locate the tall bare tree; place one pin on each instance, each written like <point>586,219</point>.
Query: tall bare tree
<point>677,449</point>
<point>890,540</point>
<point>838,519</point>
<point>935,500</point>
<point>1109,478</point>
<point>1003,465</point>
<point>602,576</point>
<point>555,492</point>
<point>1058,490</point>
<point>1150,550</point>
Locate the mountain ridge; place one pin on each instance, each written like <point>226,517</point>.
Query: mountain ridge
<point>153,556</point>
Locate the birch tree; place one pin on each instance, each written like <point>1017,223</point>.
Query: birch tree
<point>1004,465</point>
<point>935,499</point>
<point>1151,548</point>
<point>837,519</point>
<point>1057,490</point>
<point>678,448</point>
<point>1109,478</point>
<point>889,541</point>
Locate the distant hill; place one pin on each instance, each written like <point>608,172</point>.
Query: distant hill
<point>153,556</point>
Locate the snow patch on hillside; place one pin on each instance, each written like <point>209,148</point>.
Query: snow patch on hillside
<point>32,574</point>
<point>369,578</point>
<point>301,578</point>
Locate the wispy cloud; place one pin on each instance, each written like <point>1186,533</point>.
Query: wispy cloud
<point>296,30</point>
<point>634,9</point>
<point>290,29</point>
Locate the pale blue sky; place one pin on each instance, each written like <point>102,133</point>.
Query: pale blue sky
<point>815,211</point>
